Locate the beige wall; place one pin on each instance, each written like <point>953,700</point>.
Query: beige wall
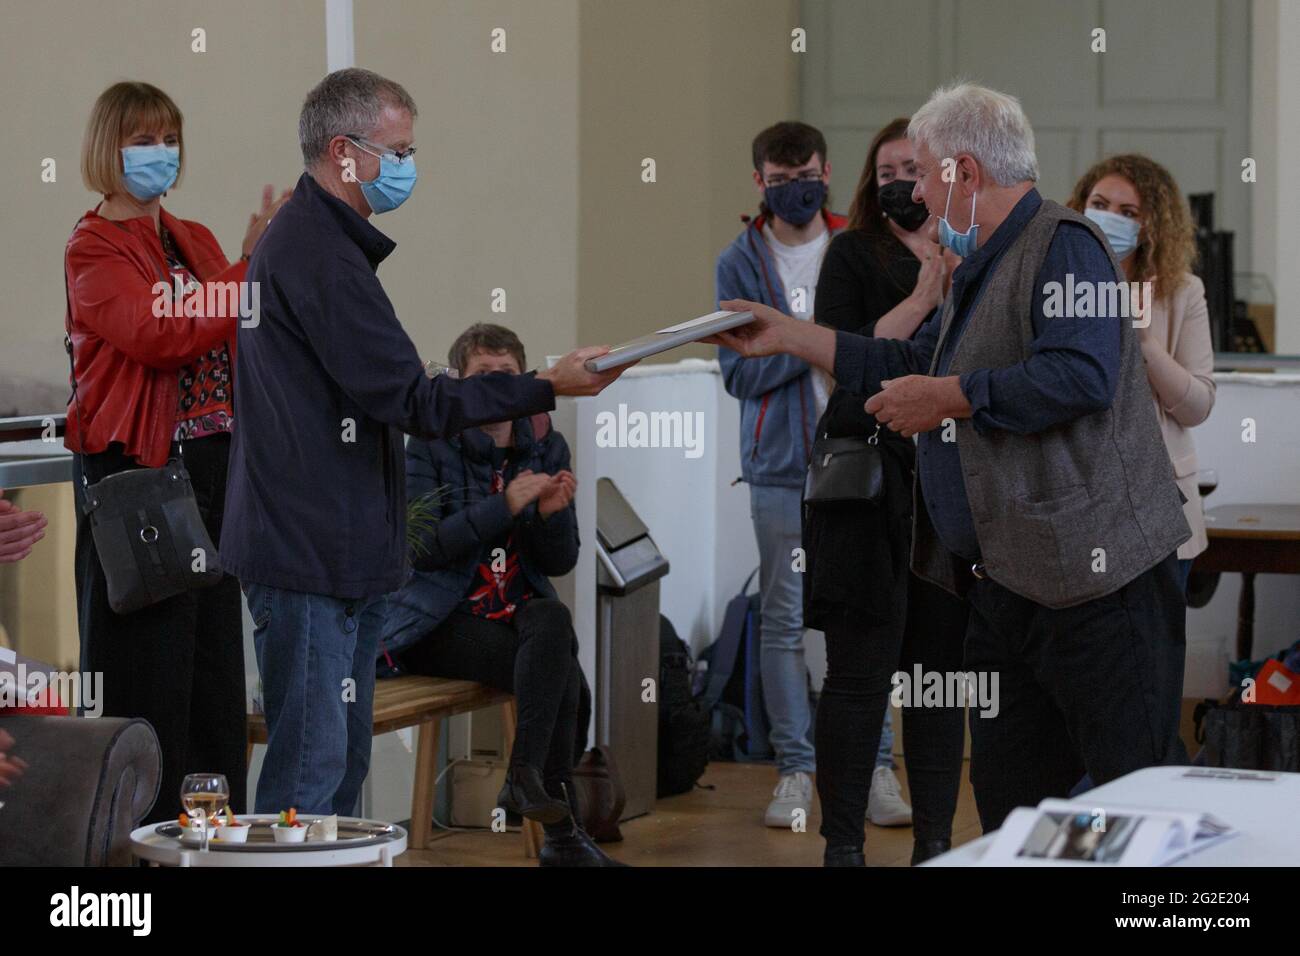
<point>496,204</point>
<point>240,100</point>
<point>688,84</point>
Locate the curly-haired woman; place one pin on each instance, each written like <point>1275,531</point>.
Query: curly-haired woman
<point>1139,206</point>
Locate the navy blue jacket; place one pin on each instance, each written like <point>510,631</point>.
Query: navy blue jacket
<point>325,385</point>
<point>470,519</point>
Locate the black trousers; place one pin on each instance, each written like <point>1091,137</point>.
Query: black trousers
<point>860,664</point>
<point>535,658</point>
<point>1092,688</point>
<point>933,737</point>
<point>178,664</point>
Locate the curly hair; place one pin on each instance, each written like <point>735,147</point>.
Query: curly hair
<point>1166,249</point>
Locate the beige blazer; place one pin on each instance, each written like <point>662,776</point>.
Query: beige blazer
<point>1180,369</point>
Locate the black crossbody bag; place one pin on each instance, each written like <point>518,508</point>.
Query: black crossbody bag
<point>845,469</point>
<point>148,531</point>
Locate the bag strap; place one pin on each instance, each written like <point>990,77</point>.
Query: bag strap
<point>67,347</point>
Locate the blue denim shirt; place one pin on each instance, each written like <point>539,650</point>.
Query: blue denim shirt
<point>1072,369</point>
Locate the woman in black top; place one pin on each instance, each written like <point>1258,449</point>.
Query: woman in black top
<point>881,277</point>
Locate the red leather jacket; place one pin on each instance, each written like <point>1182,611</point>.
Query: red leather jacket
<point>127,360</point>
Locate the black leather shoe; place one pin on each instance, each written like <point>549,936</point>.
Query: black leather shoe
<point>524,794</point>
<point>843,856</point>
<point>573,848</point>
<point>923,850</point>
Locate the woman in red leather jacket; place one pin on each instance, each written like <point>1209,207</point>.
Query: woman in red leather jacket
<point>147,386</point>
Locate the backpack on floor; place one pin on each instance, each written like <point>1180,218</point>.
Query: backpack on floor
<point>683,718</point>
<point>733,691</point>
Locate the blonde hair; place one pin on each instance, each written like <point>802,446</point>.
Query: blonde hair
<point>1166,249</point>
<point>121,111</point>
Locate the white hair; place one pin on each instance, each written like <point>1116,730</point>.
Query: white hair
<point>991,126</point>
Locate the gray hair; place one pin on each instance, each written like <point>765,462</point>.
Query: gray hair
<point>991,126</point>
<point>346,102</point>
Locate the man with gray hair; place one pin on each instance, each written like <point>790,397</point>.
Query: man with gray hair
<point>1048,499</point>
<point>326,382</point>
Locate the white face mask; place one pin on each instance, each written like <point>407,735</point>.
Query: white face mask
<point>1121,231</point>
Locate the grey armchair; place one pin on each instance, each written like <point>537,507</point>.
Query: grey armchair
<point>89,784</point>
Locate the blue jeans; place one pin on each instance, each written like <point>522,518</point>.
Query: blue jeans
<point>316,656</point>
<point>777,513</point>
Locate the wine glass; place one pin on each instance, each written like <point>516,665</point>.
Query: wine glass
<point>1207,479</point>
<point>204,795</point>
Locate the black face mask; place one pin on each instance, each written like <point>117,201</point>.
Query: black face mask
<point>796,201</point>
<point>896,202</point>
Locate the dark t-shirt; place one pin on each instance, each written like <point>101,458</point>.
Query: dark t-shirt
<point>851,546</point>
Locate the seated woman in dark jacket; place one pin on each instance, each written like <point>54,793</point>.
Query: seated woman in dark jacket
<point>499,502</point>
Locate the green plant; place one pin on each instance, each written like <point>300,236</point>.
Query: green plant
<point>421,516</point>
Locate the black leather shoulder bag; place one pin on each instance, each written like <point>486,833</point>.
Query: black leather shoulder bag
<point>845,469</point>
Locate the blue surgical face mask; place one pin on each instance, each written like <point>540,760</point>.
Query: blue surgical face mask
<point>392,186</point>
<point>149,171</point>
<point>1121,231</point>
<point>796,201</point>
<point>961,243</point>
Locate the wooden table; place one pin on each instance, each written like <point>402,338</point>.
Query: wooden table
<point>1250,540</point>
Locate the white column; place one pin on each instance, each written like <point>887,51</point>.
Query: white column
<point>340,50</point>
<point>1275,144</point>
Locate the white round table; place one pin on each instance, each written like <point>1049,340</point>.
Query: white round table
<point>147,844</point>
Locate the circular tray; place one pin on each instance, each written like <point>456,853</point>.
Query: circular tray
<point>352,833</point>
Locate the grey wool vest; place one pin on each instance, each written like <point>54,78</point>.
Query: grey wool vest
<point>1068,514</point>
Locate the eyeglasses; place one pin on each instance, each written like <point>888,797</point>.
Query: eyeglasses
<point>807,176</point>
<point>375,149</point>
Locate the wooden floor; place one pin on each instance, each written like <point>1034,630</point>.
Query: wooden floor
<point>718,827</point>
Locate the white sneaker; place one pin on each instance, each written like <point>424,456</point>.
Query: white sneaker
<point>793,792</point>
<point>885,805</point>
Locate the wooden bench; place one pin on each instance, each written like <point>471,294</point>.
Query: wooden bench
<point>423,702</point>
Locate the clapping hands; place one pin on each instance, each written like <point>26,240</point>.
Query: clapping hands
<point>558,494</point>
<point>19,530</point>
<point>551,492</point>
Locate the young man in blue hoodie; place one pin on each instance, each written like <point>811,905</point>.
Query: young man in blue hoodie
<point>775,260</point>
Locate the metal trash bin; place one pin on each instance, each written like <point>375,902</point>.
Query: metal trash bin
<point>628,569</point>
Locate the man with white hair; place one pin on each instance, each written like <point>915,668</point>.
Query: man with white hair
<point>326,382</point>
<point>1048,499</point>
